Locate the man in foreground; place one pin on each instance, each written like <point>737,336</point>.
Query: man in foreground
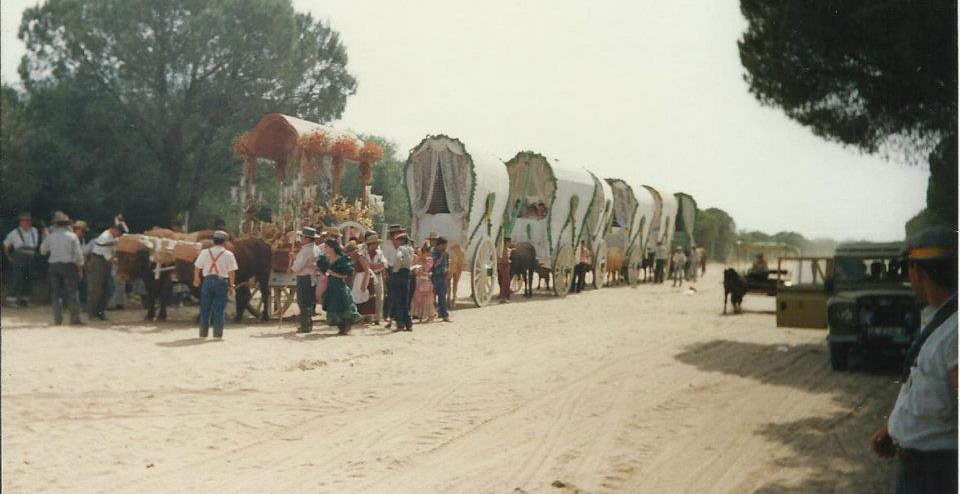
<point>64,268</point>
<point>305,268</point>
<point>400,265</point>
<point>922,429</point>
<point>219,269</point>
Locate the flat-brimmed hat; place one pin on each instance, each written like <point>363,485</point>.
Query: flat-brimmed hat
<point>394,228</point>
<point>81,224</point>
<point>60,217</point>
<point>220,235</point>
<point>402,236</point>
<point>373,238</point>
<point>24,216</point>
<point>936,242</point>
<point>432,236</point>
<point>308,232</point>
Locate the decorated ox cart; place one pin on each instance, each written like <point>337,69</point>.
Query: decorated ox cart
<point>546,207</point>
<point>596,227</point>
<point>664,218</point>
<point>460,196</point>
<point>633,211</point>
<point>309,160</point>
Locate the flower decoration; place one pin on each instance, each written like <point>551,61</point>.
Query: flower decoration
<point>313,147</point>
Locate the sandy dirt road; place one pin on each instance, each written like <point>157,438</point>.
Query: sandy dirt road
<point>645,389</point>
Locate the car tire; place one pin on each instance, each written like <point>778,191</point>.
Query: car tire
<point>839,354</point>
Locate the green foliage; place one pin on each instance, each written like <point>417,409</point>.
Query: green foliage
<point>716,231</point>
<point>133,105</point>
<point>942,185</point>
<point>856,71</point>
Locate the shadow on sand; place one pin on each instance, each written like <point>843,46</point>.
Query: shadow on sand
<point>830,448</point>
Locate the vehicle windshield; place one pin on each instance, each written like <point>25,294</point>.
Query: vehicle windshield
<point>867,270</point>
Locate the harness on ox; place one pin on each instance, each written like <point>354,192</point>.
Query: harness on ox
<point>164,252</point>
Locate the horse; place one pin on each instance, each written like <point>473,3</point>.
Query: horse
<point>523,262</point>
<point>733,287</point>
<point>458,262</point>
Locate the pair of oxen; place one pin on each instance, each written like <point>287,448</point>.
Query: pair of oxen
<point>253,263</point>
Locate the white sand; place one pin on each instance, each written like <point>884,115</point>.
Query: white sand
<point>632,390</point>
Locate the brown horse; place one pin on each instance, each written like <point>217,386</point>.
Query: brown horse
<point>615,262</point>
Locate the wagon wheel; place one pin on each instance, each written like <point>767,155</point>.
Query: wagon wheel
<point>563,271</point>
<point>483,272</point>
<point>633,266</point>
<point>600,265</point>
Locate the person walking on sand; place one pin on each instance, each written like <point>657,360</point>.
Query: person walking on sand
<point>441,264</point>
<point>304,267</point>
<point>20,247</point>
<point>337,300</point>
<point>218,268</point>
<point>921,432</point>
<point>693,263</point>
<point>388,252</point>
<point>503,271</point>
<point>361,282</point>
<point>679,260</point>
<point>584,259</point>
<point>400,265</point>
<point>64,268</point>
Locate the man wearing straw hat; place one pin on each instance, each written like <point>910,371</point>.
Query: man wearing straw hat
<point>432,239</point>
<point>921,432</point>
<point>20,247</point>
<point>400,265</point>
<point>388,252</point>
<point>65,267</point>
<point>305,268</point>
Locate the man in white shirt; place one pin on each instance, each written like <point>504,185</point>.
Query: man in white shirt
<point>921,431</point>
<point>660,262</point>
<point>214,273</point>
<point>64,268</point>
<point>389,250</point>
<point>400,264</point>
<point>304,267</point>
<point>103,255</point>
<point>20,246</point>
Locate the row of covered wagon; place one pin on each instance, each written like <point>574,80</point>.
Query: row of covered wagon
<point>475,200</point>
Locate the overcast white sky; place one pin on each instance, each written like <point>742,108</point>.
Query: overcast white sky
<point>651,92</point>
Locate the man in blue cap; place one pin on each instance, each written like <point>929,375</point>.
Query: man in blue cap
<point>921,431</point>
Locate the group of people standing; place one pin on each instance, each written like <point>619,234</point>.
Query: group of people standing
<point>79,272</point>
<point>363,280</point>
<point>679,266</point>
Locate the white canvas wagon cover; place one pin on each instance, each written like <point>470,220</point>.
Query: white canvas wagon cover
<point>547,203</point>
<point>452,192</point>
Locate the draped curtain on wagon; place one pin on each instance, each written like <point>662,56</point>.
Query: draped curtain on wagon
<point>441,167</point>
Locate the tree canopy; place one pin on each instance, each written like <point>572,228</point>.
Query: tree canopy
<point>860,72</point>
<point>134,104</point>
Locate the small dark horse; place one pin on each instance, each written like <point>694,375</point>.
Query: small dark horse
<point>543,275</point>
<point>734,288</point>
<point>523,262</point>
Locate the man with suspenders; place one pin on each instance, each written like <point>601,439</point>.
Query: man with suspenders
<point>921,432</point>
<point>21,246</point>
<point>218,267</point>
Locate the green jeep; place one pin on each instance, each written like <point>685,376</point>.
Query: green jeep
<point>871,306</point>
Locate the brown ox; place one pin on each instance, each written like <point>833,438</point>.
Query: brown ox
<point>134,266</point>
<point>615,263</point>
<point>458,262</point>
